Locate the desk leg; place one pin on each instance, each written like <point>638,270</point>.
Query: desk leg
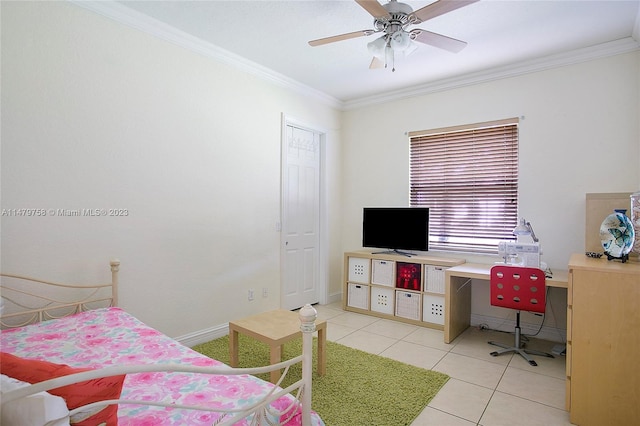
<point>275,357</point>
<point>457,309</point>
<point>322,351</point>
<point>233,347</point>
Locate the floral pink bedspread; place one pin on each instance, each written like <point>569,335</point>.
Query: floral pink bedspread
<point>110,336</point>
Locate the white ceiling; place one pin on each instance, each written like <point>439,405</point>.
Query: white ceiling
<point>500,34</point>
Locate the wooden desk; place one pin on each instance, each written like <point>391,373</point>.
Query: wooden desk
<point>275,328</point>
<point>457,294</point>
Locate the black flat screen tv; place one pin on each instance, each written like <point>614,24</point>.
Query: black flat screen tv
<point>396,228</point>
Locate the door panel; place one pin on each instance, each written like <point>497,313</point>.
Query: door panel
<point>301,207</point>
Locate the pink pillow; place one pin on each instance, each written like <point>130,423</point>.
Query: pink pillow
<point>75,395</point>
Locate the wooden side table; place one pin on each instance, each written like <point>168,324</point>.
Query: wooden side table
<point>275,328</point>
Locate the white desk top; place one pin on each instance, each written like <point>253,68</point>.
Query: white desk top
<point>481,271</point>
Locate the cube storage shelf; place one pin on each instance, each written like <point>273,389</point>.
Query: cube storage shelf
<point>392,286</point>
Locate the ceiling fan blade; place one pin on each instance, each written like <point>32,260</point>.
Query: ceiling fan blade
<point>374,8</point>
<point>440,7</point>
<point>376,63</point>
<point>438,40</point>
<point>347,36</point>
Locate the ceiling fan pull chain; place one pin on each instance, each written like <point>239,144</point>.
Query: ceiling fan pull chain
<point>393,61</point>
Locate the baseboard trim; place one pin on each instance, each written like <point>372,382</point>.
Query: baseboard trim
<point>202,336</point>
<point>207,334</point>
<point>551,334</point>
<point>335,298</point>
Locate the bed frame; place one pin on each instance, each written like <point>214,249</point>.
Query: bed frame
<point>32,305</point>
<point>28,301</point>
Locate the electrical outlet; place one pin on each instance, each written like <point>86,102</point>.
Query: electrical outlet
<point>250,296</point>
<point>265,292</point>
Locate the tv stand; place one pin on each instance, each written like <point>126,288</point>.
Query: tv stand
<point>395,251</point>
<point>406,289</point>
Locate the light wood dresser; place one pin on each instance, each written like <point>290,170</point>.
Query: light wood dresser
<point>603,341</point>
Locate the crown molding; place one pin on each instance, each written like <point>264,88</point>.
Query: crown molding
<point>137,20</point>
<point>132,18</point>
<point>603,50</point>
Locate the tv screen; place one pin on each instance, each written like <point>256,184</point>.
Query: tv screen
<point>396,228</point>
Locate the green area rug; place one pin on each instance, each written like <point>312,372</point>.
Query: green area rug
<point>359,388</point>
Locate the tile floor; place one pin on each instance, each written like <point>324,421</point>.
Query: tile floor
<point>482,390</point>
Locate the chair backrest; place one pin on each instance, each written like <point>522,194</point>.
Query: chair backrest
<point>518,287</point>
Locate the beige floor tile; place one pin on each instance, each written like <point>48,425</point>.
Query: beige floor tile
<point>462,399</point>
<point>504,409</point>
<point>476,344</point>
<point>326,312</point>
<point>533,386</point>
<point>336,332</point>
<point>334,305</point>
<point>555,367</point>
<point>472,370</point>
<point>393,329</point>
<point>353,320</point>
<point>368,342</point>
<point>414,354</point>
<point>432,417</point>
<point>428,337</point>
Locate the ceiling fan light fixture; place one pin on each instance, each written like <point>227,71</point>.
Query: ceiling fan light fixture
<point>377,47</point>
<point>400,40</point>
<point>412,47</point>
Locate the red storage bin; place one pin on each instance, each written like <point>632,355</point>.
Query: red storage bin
<point>408,276</point>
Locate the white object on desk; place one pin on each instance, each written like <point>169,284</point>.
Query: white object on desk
<point>520,254</point>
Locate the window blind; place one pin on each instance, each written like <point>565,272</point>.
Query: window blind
<point>468,177</point>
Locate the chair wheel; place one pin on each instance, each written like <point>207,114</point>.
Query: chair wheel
<point>533,363</point>
<point>494,354</point>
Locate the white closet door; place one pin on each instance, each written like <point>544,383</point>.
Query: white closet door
<point>300,217</point>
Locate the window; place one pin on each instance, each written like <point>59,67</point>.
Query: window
<point>468,177</point>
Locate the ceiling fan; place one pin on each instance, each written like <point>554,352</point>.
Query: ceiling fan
<point>393,19</point>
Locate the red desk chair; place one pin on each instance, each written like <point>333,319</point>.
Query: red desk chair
<point>522,289</point>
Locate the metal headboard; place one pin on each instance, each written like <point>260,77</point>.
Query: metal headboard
<point>27,301</point>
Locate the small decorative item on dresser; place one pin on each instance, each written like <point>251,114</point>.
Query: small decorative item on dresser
<point>635,220</point>
<point>617,235</point>
<point>593,254</point>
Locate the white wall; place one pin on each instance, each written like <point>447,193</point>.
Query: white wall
<point>579,134</point>
<point>98,115</point>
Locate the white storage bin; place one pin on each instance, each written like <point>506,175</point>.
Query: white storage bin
<point>358,296</point>
<point>408,305</point>
<point>383,272</point>
<point>433,309</point>
<point>434,279</point>
<point>359,270</point>
<point>382,300</point>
